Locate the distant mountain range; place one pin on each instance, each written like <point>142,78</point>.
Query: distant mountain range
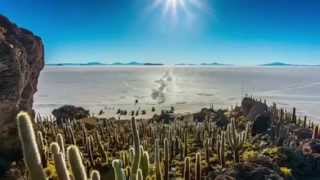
<point>133,63</point>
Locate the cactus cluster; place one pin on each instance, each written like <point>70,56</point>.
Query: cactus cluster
<point>187,147</point>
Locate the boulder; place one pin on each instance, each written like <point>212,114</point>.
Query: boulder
<point>221,119</point>
<point>21,60</point>
<point>250,171</point>
<point>258,113</point>
<point>261,124</point>
<point>310,147</point>
<point>69,112</point>
<point>303,133</point>
<point>224,177</point>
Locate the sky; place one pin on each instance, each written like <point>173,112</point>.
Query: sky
<point>240,32</point>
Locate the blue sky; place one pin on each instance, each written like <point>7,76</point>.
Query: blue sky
<point>192,31</point>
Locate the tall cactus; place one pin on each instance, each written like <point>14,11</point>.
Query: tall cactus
<point>30,150</point>
<point>207,151</point>
<point>144,164</point>
<point>157,161</point>
<point>294,116</point>
<point>166,159</point>
<point>137,154</point>
<point>220,148</point>
<point>198,166</point>
<point>42,148</point>
<point>315,132</point>
<point>77,167</point>
<point>139,175</point>
<point>60,141</point>
<point>187,171</point>
<point>235,140</point>
<point>185,143</point>
<point>118,171</point>
<point>95,175</point>
<point>59,162</point>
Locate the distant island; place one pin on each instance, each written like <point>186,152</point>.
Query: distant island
<point>203,64</point>
<point>284,64</point>
<point>214,64</point>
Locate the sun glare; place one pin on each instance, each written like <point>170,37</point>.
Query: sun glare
<point>175,8</point>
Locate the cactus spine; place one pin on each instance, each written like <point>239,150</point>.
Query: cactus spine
<point>137,154</point>
<point>30,150</point>
<point>198,166</point>
<point>77,167</point>
<point>59,162</point>
<point>118,171</point>
<point>186,171</point>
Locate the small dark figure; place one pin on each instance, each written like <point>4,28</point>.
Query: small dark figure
<point>172,109</point>
<point>132,113</point>
<point>101,112</point>
<point>153,109</point>
<point>119,111</point>
<point>143,112</point>
<point>137,113</point>
<point>136,102</point>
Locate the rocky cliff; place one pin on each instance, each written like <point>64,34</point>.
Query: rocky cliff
<point>21,60</point>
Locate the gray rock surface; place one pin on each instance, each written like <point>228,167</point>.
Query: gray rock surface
<point>21,60</point>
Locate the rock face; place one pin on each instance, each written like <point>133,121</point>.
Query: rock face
<point>70,112</point>
<point>21,60</point>
<point>258,113</point>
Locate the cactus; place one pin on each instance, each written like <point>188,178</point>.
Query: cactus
<point>220,148</point>
<point>30,149</point>
<point>294,117</point>
<point>315,132</point>
<point>166,159</point>
<point>137,154</point>
<point>207,144</point>
<point>77,167</point>
<point>42,148</point>
<point>185,143</point>
<point>95,175</point>
<point>187,171</point>
<point>139,175</point>
<point>101,149</point>
<point>90,151</point>
<point>235,140</point>
<point>118,171</point>
<point>60,141</point>
<point>72,139</point>
<point>144,164</point>
<point>305,122</point>
<point>157,161</point>
<point>59,162</point>
<point>198,167</point>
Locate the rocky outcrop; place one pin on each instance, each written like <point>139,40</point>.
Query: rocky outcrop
<point>21,60</point>
<point>258,113</point>
<point>69,112</point>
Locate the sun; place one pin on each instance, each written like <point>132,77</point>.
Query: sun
<point>180,11</point>
<point>171,7</point>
